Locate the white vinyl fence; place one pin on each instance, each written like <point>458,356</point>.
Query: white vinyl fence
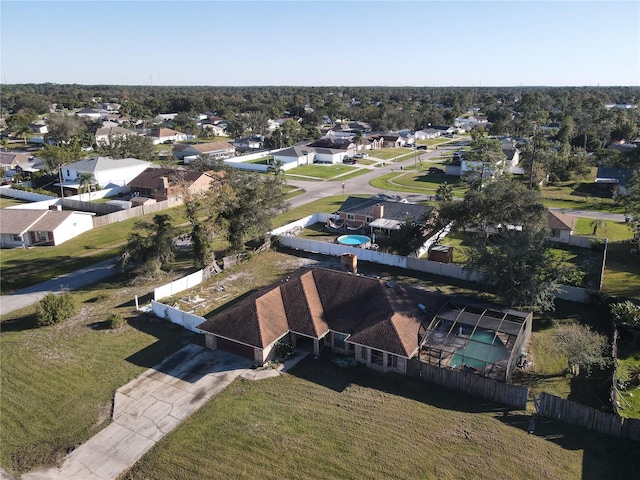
<point>185,319</point>
<point>180,285</point>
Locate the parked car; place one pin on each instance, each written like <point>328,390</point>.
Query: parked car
<point>435,170</point>
<point>350,161</point>
<point>362,155</point>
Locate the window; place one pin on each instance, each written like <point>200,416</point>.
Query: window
<point>364,352</point>
<point>338,340</point>
<point>369,219</point>
<point>42,237</point>
<point>351,216</point>
<point>17,238</point>
<point>555,233</point>
<point>376,357</point>
<point>392,361</point>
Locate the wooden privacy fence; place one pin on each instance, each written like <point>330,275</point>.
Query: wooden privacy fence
<point>121,215</point>
<point>514,396</point>
<point>582,416</point>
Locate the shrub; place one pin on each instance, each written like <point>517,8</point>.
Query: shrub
<point>54,308</point>
<point>114,321</point>
<point>283,350</point>
<point>626,314</point>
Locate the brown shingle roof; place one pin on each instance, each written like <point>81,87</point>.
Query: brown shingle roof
<point>17,221</point>
<point>310,302</point>
<point>151,176</point>
<point>560,221</point>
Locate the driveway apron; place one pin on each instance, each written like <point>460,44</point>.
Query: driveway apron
<point>145,410</point>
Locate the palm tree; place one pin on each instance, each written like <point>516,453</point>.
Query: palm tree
<point>277,168</point>
<point>86,180</point>
<point>5,144</point>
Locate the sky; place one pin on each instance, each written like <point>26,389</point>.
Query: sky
<point>321,43</point>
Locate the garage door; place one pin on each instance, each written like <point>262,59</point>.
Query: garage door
<point>235,348</point>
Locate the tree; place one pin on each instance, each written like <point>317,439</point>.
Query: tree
<point>582,347</point>
<point>258,198</point>
<point>57,156</point>
<point>408,238</point>
<point>86,180</point>
<point>203,212</point>
<point>444,193</point>
<point>509,246</point>
<point>129,146</point>
<point>54,308</point>
<point>626,314</point>
<point>151,246</point>
<point>277,168</point>
<point>62,129</point>
<point>485,160</point>
<point>18,123</point>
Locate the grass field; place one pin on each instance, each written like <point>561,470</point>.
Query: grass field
<point>322,421</point>
<point>10,202</point>
<point>22,267</point>
<point>321,172</point>
<point>418,181</point>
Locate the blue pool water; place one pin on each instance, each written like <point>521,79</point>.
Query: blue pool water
<point>482,349</point>
<point>354,240</point>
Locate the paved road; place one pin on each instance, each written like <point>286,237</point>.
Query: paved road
<point>72,281</point>
<point>149,407</point>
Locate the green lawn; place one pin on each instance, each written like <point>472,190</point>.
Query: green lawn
<point>322,172</point>
<point>23,267</point>
<point>418,181</point>
<point>10,202</point>
<point>613,231</point>
<point>392,153</point>
<point>322,421</point>
<point>622,272</point>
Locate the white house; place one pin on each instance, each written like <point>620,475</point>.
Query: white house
<point>25,228</point>
<point>166,135</point>
<point>428,133</point>
<point>295,156</point>
<point>560,226</point>
<point>105,134</point>
<point>330,155</point>
<point>105,171</point>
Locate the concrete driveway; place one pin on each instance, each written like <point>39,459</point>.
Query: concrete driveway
<point>146,409</point>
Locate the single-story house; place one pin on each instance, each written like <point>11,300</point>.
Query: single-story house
<point>512,154</point>
<point>296,155</point>
<point>393,140</point>
<point>375,141</point>
<point>560,226</point>
<point>10,160</point>
<point>376,322</point>
<point>219,130</point>
<point>26,228</point>
<point>104,135</point>
<point>330,155</point>
<point>613,179</point>
<point>255,142</point>
<point>428,133</point>
<point>204,150</point>
<point>381,216</point>
<point>105,171</point>
<point>40,127</point>
<point>92,113</point>
<point>168,135</point>
<point>164,117</point>
<point>162,183</point>
<point>383,325</point>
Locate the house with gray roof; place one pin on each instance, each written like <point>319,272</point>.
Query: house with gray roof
<point>27,228</point>
<point>105,171</point>
<point>104,135</point>
<point>381,216</point>
<point>295,156</point>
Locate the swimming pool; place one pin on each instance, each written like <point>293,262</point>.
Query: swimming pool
<point>354,240</point>
<point>481,349</point>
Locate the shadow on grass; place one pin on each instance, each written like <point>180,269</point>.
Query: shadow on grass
<point>28,322</point>
<point>169,339</point>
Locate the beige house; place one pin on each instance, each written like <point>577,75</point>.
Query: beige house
<point>162,183</point>
<point>560,226</point>
<point>27,228</point>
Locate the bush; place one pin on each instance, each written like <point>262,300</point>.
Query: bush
<point>55,308</point>
<point>283,350</point>
<point>626,314</point>
<point>114,321</point>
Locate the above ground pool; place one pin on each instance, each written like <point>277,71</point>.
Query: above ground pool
<point>355,240</point>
